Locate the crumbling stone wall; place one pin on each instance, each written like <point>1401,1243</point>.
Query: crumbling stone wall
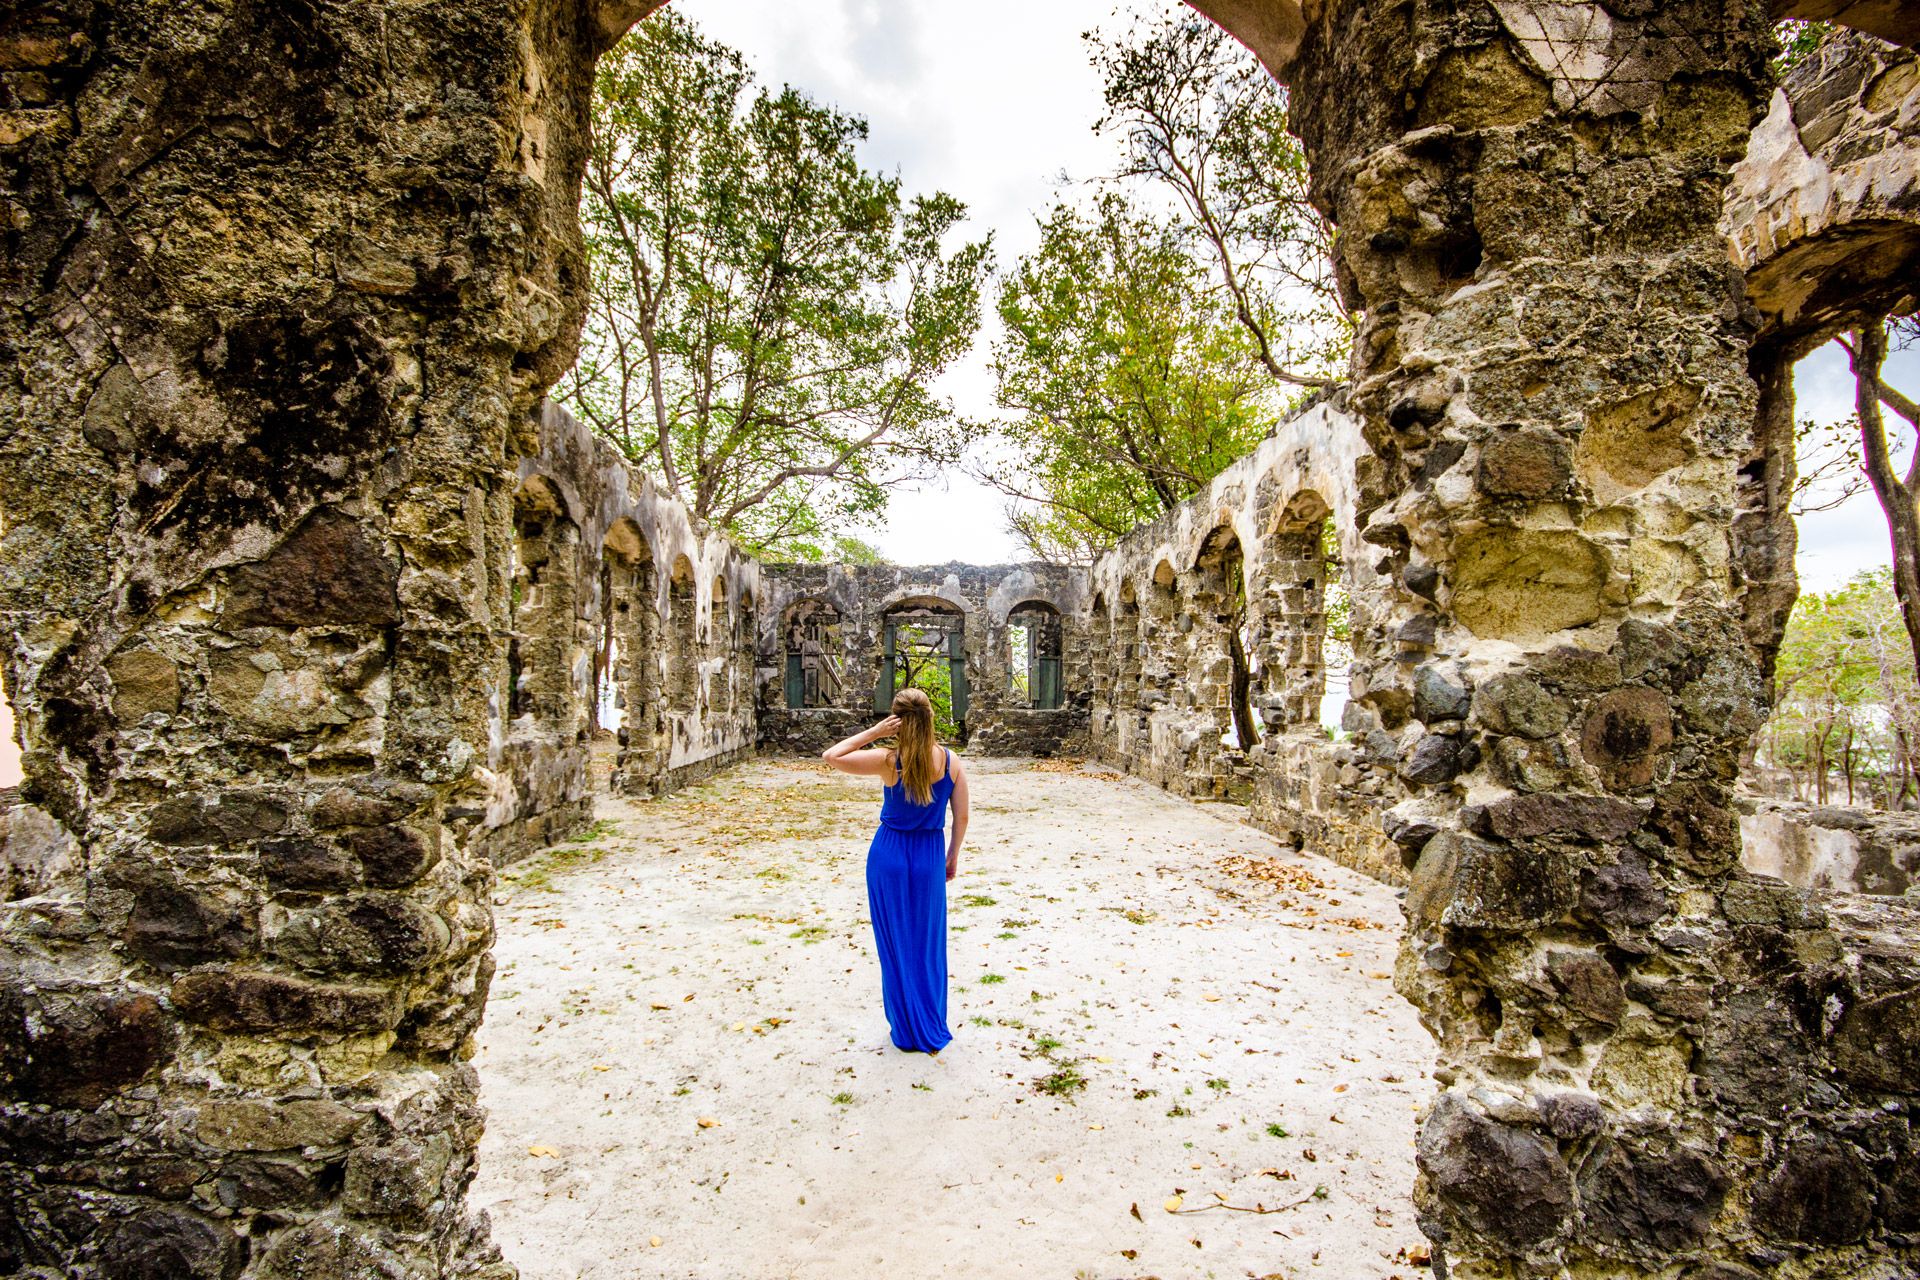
<point>604,640</point>
<point>1823,216</point>
<point>282,286</point>
<point>863,596</point>
<point>1551,372</point>
<point>1831,848</point>
<point>1161,702</point>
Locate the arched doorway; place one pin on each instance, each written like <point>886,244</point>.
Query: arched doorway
<point>924,646</point>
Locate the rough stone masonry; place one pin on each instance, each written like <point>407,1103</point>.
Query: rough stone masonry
<point>314,610</point>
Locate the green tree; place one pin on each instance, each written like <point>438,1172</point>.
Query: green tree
<point>1125,381</point>
<point>766,317</point>
<point>1847,702</point>
<point>1205,125</point>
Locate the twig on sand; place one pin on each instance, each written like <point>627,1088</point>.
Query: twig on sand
<point>1316,1194</point>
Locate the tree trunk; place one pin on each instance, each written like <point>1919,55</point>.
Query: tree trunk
<point>1896,497</point>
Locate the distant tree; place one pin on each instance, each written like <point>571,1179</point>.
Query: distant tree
<point>1847,702</point>
<point>1205,125</point>
<point>1125,381</point>
<point>766,317</point>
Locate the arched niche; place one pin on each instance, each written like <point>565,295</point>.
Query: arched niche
<point>544,598</point>
<point>813,670</point>
<point>1036,644</point>
<point>924,645</point>
<point>1220,605</point>
<point>1290,631</point>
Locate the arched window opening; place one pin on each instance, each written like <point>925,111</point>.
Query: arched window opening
<point>1300,569</point>
<point>924,646</point>
<point>1223,590</point>
<point>1034,646</point>
<point>624,659</point>
<point>814,674</point>
<point>683,641</point>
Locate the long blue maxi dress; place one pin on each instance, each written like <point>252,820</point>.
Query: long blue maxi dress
<point>907,898</point>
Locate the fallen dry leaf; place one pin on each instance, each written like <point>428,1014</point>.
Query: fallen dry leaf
<point>537,1150</point>
<point>1134,1209</point>
<point>708,1122</point>
<point>1172,1205</point>
<point>655,1241</point>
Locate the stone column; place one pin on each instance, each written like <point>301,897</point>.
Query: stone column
<point>282,285</point>
<point>1552,370</point>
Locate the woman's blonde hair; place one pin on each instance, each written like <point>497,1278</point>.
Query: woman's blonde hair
<point>915,744</point>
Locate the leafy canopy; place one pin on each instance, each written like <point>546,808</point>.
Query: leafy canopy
<point>766,316</point>
<point>1126,385</point>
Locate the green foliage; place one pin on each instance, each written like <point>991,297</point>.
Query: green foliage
<point>766,317</point>
<point>1797,39</point>
<point>1126,382</point>
<point>1205,125</point>
<point>1846,698</point>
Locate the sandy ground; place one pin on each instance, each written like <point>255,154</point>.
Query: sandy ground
<point>1158,1013</point>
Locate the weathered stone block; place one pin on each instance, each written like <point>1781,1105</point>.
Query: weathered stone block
<point>1521,463</point>
<point>328,572</point>
<point>144,682</point>
<point>1510,1185</point>
<point>1655,1202</point>
<point>363,933</point>
<point>1622,894</point>
<point>172,925</point>
<point>80,1048</point>
<point>1439,694</point>
<point>1701,829</point>
<point>1877,1042</point>
<point>279,1124</point>
<point>1588,984</point>
<point>306,864</point>
<point>1820,1193</point>
<point>170,1244</point>
<point>1625,732</point>
<point>1516,705</point>
<point>392,857</point>
<point>1465,882</point>
<point>1438,758</point>
<point>1521,584</point>
<point>397,1179</point>
<point>231,818</point>
<point>238,1000</point>
<point>1597,819</point>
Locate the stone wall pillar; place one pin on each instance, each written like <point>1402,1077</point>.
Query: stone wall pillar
<point>1552,371</point>
<point>282,285</point>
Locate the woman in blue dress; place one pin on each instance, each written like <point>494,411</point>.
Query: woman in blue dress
<point>906,873</point>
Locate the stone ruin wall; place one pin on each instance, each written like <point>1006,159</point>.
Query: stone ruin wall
<point>1161,661</point>
<point>629,625</point>
<point>982,596</point>
<point>284,286</point>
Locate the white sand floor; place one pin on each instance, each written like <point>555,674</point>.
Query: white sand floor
<point>687,1069</point>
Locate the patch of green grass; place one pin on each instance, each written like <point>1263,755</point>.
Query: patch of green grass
<point>1045,1044</point>
<point>1008,934</point>
<point>1133,914</point>
<point>1062,1082</point>
<point>842,1099</point>
<point>979,1021</point>
<point>772,873</point>
<point>809,933</point>
<point>988,979</point>
<point>756,942</point>
<point>1015,924</point>
<point>924,1088</point>
<point>1276,1131</point>
<point>1141,1095</point>
<point>1218,1086</point>
<point>1176,1110</point>
<point>976,900</point>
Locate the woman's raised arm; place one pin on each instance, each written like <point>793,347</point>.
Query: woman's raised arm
<point>847,755</point>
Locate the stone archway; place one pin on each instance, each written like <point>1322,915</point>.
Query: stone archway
<point>285,287</point>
